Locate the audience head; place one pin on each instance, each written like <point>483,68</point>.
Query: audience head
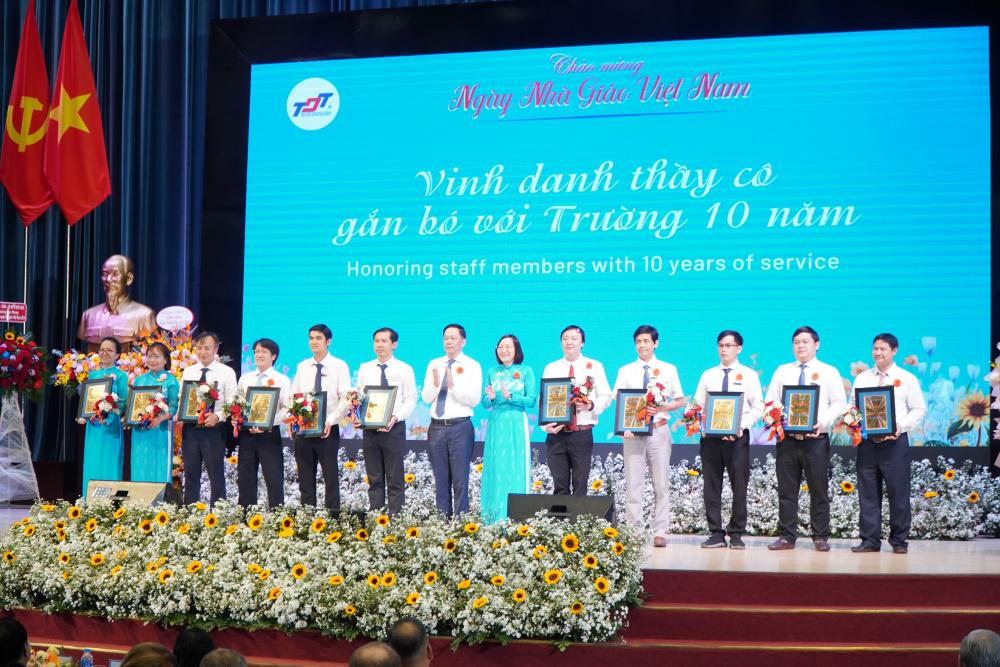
<point>408,637</point>
<point>14,647</point>
<point>148,654</point>
<point>980,648</point>
<point>222,657</point>
<point>374,654</point>
<point>191,646</point>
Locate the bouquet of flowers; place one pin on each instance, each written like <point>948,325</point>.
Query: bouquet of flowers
<point>692,417</point>
<point>22,366</point>
<point>104,408</point>
<point>350,403</point>
<point>583,388</point>
<point>774,420</point>
<point>156,407</point>
<point>302,413</point>
<point>208,394</point>
<point>237,410</point>
<point>72,369</point>
<point>656,395</point>
<point>852,420</point>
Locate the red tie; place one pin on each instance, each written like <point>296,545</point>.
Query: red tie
<point>572,418</point>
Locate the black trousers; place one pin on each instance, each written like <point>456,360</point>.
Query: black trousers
<point>884,464</point>
<point>384,464</point>
<point>568,454</point>
<point>262,450</point>
<point>795,458</point>
<point>309,452</point>
<point>203,445</point>
<point>733,456</point>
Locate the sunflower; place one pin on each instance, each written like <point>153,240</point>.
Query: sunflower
<point>540,551</point>
<point>254,568</point>
<point>9,335</point>
<point>97,559</point>
<point>847,486</point>
<point>553,576</point>
<point>287,522</point>
<point>255,522</point>
<point>193,567</point>
<point>231,529</point>
<point>479,467</point>
<point>570,543</point>
<point>610,532</point>
<point>91,525</point>
<point>389,579</point>
<point>146,526</point>
<point>590,561</point>
<point>497,580</point>
<point>61,534</point>
<point>524,530</point>
<point>602,585</point>
<point>366,479</point>
<point>184,529</point>
<point>480,602</point>
<point>29,531</point>
<point>115,570</point>
<point>519,596</point>
<point>350,610</point>
<point>930,494</point>
<point>413,598</point>
<point>409,478</point>
<point>200,506</point>
<point>597,485</point>
<point>63,558</point>
<point>463,584</point>
<point>47,507</point>
<point>693,473</point>
<point>450,545</point>
<point>274,594</point>
<point>974,411</point>
<point>618,548</point>
<point>374,580</point>
<point>335,580</point>
<point>350,465</point>
<point>804,487</point>
<point>382,520</point>
<point>537,484</point>
<point>166,575</point>
<point>412,533</point>
<point>59,525</point>
<point>233,460</point>
<point>334,536</point>
<point>121,555</point>
<point>430,578</point>
<point>285,533</point>
<point>210,521</point>
<point>9,557</point>
<point>67,576</point>
<point>119,513</point>
<point>264,574</point>
<point>949,474</point>
<point>361,535</point>
<point>472,528</point>
<point>318,525</point>
<point>974,497</point>
<point>73,513</point>
<point>162,518</point>
<point>576,608</point>
<point>299,570</point>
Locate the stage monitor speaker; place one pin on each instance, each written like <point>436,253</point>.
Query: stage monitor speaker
<point>135,494</point>
<point>521,506</point>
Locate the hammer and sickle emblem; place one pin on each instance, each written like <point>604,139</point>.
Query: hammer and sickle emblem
<point>25,138</point>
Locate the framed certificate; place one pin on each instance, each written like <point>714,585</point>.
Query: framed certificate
<point>315,429</point>
<point>801,403</point>
<point>878,410</point>
<point>139,399</point>
<point>723,412</point>
<point>91,392</point>
<point>628,404</point>
<point>376,409</point>
<point>555,403</point>
<point>188,413</point>
<point>262,405</point>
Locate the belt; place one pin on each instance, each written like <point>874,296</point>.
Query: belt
<point>449,422</point>
<point>580,427</point>
<point>801,436</point>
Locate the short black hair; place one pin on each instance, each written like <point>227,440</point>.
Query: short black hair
<point>191,646</point>
<point>207,334</point>
<point>461,329</point>
<point>808,330</point>
<point>163,349</point>
<point>574,327</point>
<point>268,345</point>
<point>114,341</point>
<point>887,338</point>
<point>646,329</point>
<point>408,637</point>
<point>323,329</point>
<point>730,332</point>
<point>518,352</point>
<point>393,336</point>
<point>13,638</point>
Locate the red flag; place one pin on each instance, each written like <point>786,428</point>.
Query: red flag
<point>23,149</point>
<point>76,162</point>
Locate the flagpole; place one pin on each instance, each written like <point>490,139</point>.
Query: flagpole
<point>69,242</point>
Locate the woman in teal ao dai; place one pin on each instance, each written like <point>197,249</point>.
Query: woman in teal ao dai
<point>510,390</point>
<point>103,452</point>
<point>153,445</point>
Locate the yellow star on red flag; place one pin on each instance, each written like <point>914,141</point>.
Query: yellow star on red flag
<point>67,112</point>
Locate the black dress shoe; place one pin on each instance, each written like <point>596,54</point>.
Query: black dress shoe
<point>864,548</point>
<point>899,549</point>
<point>781,544</point>
<point>821,544</point>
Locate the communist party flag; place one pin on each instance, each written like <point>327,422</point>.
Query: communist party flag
<point>23,149</point>
<point>76,162</point>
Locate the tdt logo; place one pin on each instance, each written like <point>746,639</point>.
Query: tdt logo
<point>313,103</point>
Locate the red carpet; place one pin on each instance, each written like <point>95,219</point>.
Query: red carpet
<point>692,618</point>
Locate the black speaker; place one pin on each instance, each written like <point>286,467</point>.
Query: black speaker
<point>521,506</point>
<point>136,494</point>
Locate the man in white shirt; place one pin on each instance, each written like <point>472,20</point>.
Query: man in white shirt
<point>384,448</point>
<point>262,446</point>
<point>807,454</point>
<point>206,443</point>
<point>728,453</point>
<point>568,449</point>
<point>653,450</point>
<point>885,460</point>
<point>322,372</point>
<point>453,386</point>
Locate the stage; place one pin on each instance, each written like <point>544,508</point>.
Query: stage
<point>703,607</point>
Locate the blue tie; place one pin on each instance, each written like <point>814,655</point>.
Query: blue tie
<point>645,376</point>
<point>204,374</point>
<point>725,379</point>
<point>384,380</point>
<point>443,395</point>
<point>802,373</point>
<point>318,382</point>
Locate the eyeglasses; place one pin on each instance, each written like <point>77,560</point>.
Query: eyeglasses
<point>726,345</point>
